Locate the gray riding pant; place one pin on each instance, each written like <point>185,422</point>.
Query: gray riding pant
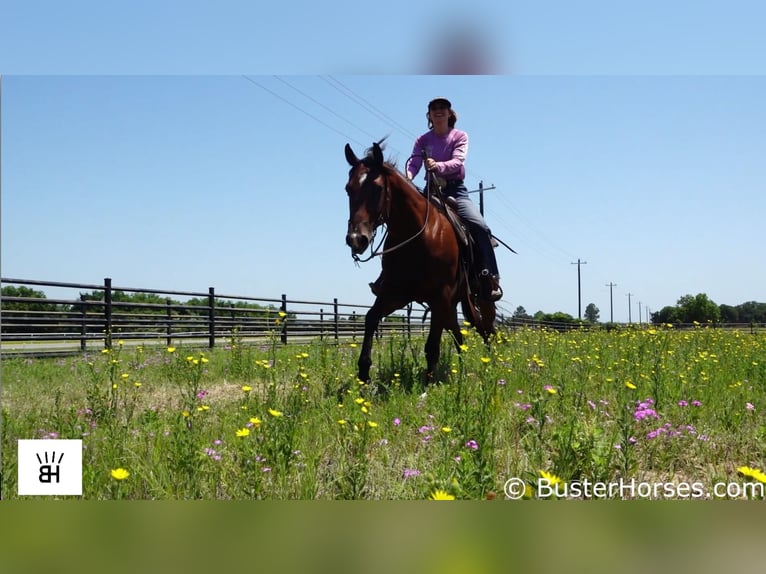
<point>477,226</point>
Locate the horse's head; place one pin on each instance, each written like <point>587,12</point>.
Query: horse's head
<point>366,190</point>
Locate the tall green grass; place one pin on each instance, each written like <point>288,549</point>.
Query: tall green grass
<point>267,422</point>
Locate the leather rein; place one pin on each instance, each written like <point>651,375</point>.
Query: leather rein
<point>382,219</point>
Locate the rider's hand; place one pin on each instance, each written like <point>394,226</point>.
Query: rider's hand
<point>430,164</point>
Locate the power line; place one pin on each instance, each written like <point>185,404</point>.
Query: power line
<point>300,109</point>
<point>317,102</point>
<point>360,101</point>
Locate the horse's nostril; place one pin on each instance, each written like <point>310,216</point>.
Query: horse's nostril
<point>357,242</point>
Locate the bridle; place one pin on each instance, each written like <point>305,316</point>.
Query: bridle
<point>384,215</point>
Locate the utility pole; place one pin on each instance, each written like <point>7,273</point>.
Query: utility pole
<point>630,320</point>
<point>639,312</point>
<point>611,301</point>
<point>579,290</point>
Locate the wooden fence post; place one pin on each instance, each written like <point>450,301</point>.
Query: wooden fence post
<point>211,317</point>
<point>83,324</point>
<point>107,313</point>
<point>336,325</point>
<point>284,319</point>
<point>169,327</point>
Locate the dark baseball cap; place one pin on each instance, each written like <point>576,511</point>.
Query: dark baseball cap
<point>439,101</point>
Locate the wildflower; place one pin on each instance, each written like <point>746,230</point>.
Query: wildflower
<point>243,432</point>
<point>630,385</point>
<point>186,414</point>
<point>342,422</point>
<point>485,360</point>
<point>644,410</point>
<point>397,422</point>
<point>441,495</point>
<point>464,347</point>
<point>472,444</point>
<point>282,314</point>
<point>749,406</point>
<point>247,388</point>
<point>120,474</point>
<point>447,429</point>
<point>137,384</point>
<point>171,349</point>
<point>550,389</point>
<point>752,473</point>
<point>410,473</point>
<point>275,413</point>
<point>255,421</point>
<point>696,403</point>
<point>683,403</point>
<point>551,478</point>
<point>372,424</point>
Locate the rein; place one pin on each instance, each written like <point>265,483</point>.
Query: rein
<point>374,251</point>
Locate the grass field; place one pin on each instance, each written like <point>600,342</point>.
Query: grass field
<point>560,410</point>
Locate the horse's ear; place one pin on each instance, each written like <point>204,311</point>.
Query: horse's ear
<point>351,156</point>
<point>377,153</point>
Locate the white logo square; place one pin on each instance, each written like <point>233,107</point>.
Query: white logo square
<point>50,467</point>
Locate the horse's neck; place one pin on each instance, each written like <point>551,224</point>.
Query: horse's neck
<point>408,206</point>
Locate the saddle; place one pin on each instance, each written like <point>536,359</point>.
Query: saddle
<point>468,249</point>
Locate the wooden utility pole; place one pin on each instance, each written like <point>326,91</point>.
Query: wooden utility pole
<point>579,288</point>
<point>611,301</point>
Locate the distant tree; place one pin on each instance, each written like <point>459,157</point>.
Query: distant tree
<point>752,312</point>
<point>698,308</point>
<point>591,313</point>
<point>26,293</point>
<point>729,314</point>
<point>666,315</point>
<point>521,313</point>
<point>557,317</point>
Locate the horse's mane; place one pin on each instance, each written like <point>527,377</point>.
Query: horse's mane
<point>389,165</point>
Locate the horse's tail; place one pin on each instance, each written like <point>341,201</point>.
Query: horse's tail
<point>470,311</point>
<point>479,312</point>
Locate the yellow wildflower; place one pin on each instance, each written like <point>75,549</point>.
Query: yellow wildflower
<point>120,474</point>
<point>441,495</point>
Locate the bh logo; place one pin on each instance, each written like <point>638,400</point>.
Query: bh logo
<point>50,467</point>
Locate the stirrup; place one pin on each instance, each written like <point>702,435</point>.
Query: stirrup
<point>493,291</point>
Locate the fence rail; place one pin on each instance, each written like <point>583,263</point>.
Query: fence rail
<point>99,316</point>
<point>65,324</point>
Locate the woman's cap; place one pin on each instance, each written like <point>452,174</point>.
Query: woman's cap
<point>435,101</point>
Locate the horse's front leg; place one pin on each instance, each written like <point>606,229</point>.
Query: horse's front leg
<point>371,320</point>
<point>433,342</point>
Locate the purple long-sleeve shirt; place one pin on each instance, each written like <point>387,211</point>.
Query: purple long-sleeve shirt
<point>448,150</point>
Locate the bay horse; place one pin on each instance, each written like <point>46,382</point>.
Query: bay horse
<point>421,258</point>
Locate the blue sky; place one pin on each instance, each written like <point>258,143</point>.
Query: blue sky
<point>159,164</point>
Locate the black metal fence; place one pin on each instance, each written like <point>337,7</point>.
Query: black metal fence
<point>207,317</point>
